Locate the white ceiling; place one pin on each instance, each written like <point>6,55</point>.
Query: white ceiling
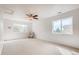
<point>43,10</point>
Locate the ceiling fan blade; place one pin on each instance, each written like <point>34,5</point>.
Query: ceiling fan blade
<point>31,15</point>
<point>27,15</point>
<point>35,16</point>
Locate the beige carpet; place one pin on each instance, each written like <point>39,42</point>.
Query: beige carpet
<point>29,47</point>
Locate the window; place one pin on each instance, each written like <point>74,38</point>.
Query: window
<point>57,26</point>
<point>20,28</point>
<point>63,25</point>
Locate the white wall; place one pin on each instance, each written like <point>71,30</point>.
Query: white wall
<point>18,17</point>
<point>43,30</point>
<point>1,24</point>
<point>1,27</point>
<point>10,34</point>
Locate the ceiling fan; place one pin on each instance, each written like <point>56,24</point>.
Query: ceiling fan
<point>32,16</point>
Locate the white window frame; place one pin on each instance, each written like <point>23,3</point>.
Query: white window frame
<point>61,24</point>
